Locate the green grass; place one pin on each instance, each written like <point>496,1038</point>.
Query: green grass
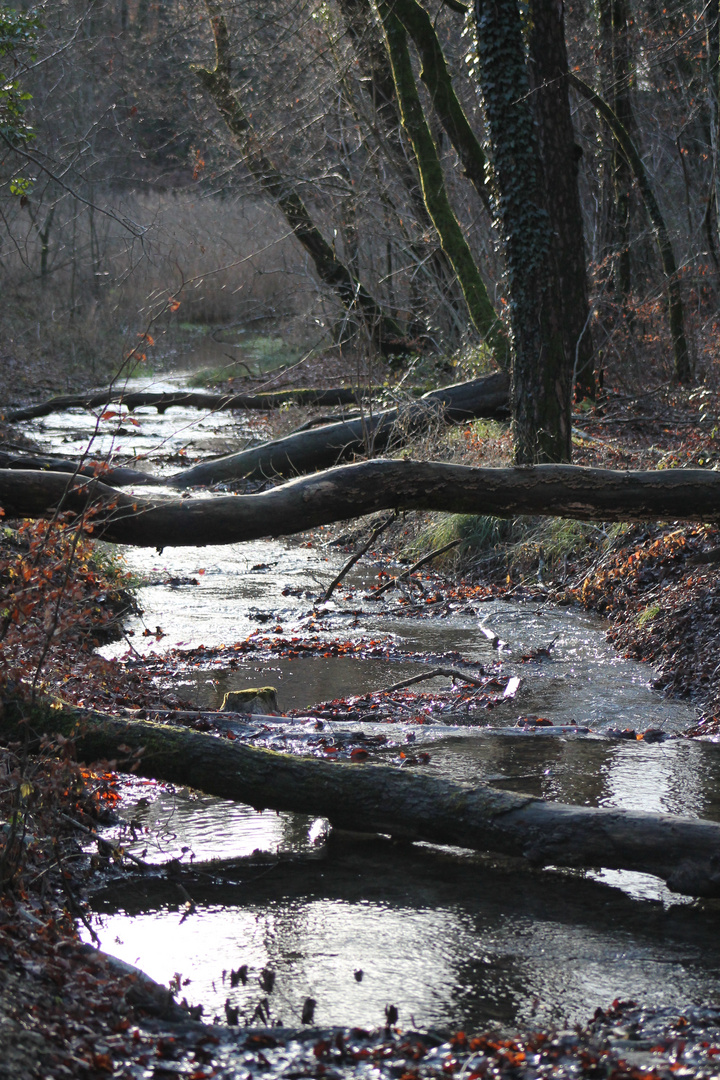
<point>648,615</point>
<point>521,543</point>
<point>257,355</point>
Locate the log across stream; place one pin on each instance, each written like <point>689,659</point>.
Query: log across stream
<point>448,939</point>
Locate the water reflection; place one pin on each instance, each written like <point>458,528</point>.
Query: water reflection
<point>447,942</point>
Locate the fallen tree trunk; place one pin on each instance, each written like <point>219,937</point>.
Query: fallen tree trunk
<point>301,452</point>
<point>683,851</point>
<point>136,399</point>
<point>350,491</point>
<point>116,475</point>
<point>307,451</point>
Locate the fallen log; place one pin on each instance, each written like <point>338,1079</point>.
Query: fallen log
<point>682,851</point>
<point>190,399</point>
<point>307,451</point>
<point>301,452</point>
<point>350,491</point>
<point>115,475</point>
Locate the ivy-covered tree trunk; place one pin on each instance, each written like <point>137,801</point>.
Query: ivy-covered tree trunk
<point>548,71</point>
<point>542,370</point>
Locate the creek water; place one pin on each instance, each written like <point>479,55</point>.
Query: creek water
<point>355,922</point>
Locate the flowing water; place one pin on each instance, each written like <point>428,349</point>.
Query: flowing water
<point>359,923</point>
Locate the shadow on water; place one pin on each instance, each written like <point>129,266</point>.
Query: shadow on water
<point>449,940</point>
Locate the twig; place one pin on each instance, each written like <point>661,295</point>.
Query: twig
<point>358,555</point>
<point>411,569</point>
<point>117,849</point>
<point>448,672</point>
<point>668,421</point>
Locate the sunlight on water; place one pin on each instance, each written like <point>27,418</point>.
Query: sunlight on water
<point>516,948</point>
<point>176,823</point>
<point>454,964</point>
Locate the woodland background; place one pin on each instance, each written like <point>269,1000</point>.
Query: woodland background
<point>131,196</point>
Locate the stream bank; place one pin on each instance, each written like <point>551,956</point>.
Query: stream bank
<point>447,947</point>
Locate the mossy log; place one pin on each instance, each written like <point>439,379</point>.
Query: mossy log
<point>306,451</point>
<point>351,491</point>
<point>192,399</point>
<point>412,806</point>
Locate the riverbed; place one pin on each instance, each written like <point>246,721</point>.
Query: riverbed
<point>359,923</point>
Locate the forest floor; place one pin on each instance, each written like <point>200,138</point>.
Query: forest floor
<point>67,1010</point>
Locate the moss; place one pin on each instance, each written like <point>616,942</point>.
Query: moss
<point>648,615</point>
<point>256,699</point>
<point>434,190</point>
<point>257,355</point>
<point>505,545</point>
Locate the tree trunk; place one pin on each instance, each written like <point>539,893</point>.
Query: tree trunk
<point>617,79</point>
<point>306,451</point>
<point>710,218</point>
<point>451,236</point>
<point>350,491</point>
<point>417,806</point>
<point>542,371</point>
<point>118,476</point>
<point>333,273</point>
<point>137,399</point>
<point>683,367</point>
<point>377,80</point>
<point>435,75</point>
<point>559,153</point>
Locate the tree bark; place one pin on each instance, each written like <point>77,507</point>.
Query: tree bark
<point>683,367</point>
<point>137,399</point>
<point>548,69</point>
<point>309,450</point>
<point>305,450</point>
<point>617,70</point>
<point>435,75</point>
<point>418,806</point>
<point>454,243</point>
<point>350,491</point>
<point>542,371</point>
<point>379,85</point>
<point>331,271</point>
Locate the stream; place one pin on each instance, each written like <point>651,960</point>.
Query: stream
<point>357,922</point>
